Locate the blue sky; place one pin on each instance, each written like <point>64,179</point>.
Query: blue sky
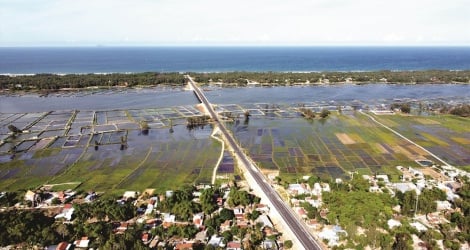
<point>228,22</point>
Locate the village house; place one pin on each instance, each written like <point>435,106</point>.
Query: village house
<point>145,238</point>
<point>66,213</point>
<point>91,197</point>
<point>198,220</point>
<point>130,195</point>
<point>239,212</point>
<point>393,223</point>
<point>443,205</point>
<point>269,244</point>
<point>314,224</point>
<point>216,241</point>
<point>315,203</point>
<point>405,186</point>
<point>301,211</point>
<point>418,226</point>
<point>82,243</point>
<point>121,228</point>
<point>316,189</point>
<point>149,209</point>
<point>30,196</point>
<point>262,208</point>
<point>234,245</point>
<point>331,234</point>
<point>242,223</point>
<point>297,189</point>
<point>61,246</point>
<point>184,246</point>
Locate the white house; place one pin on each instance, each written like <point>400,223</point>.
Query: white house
<point>82,243</point>
<point>326,187</point>
<point>405,186</point>
<point>216,241</point>
<point>393,223</point>
<point>297,189</point>
<point>129,195</point>
<point>170,218</point>
<point>331,234</point>
<point>316,189</point>
<point>443,205</point>
<point>420,227</point>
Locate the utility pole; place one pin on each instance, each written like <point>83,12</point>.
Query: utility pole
<point>416,205</point>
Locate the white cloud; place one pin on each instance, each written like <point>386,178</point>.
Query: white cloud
<point>231,22</point>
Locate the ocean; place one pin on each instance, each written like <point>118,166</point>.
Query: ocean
<point>63,60</point>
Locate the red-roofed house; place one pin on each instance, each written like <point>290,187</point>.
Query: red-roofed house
<point>63,246</point>
<point>145,237</point>
<point>122,228</point>
<point>184,246</point>
<point>82,243</point>
<point>234,245</point>
<point>198,220</point>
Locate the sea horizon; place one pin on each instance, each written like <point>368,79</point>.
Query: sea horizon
<point>136,59</point>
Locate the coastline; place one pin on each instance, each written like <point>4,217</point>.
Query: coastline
<point>44,84</point>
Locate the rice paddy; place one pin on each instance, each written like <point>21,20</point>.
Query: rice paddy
<point>85,147</point>
<point>348,142</point>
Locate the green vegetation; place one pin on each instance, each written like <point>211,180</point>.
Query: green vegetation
<point>307,113</point>
<point>51,82</point>
<point>180,203</point>
<point>287,78</point>
<point>55,82</point>
<point>353,206</point>
<point>288,244</point>
<point>462,110</point>
<point>403,107</point>
<point>240,197</point>
<point>324,113</point>
<point>426,201</point>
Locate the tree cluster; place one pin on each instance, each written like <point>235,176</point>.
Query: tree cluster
<point>286,78</point>
<point>307,113</point>
<point>240,197</point>
<point>56,82</point>
<point>180,203</point>
<point>461,110</point>
<point>403,107</point>
<point>197,121</point>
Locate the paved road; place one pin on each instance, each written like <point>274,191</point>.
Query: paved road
<point>287,215</point>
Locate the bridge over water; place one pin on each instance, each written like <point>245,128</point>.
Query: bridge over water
<point>292,226</point>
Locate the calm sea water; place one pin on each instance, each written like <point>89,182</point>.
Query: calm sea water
<point>153,98</point>
<point>218,59</point>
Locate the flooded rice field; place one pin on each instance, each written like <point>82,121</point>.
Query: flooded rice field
<point>106,149</point>
<point>98,139</point>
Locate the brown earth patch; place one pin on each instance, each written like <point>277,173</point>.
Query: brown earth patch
<point>345,139</point>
